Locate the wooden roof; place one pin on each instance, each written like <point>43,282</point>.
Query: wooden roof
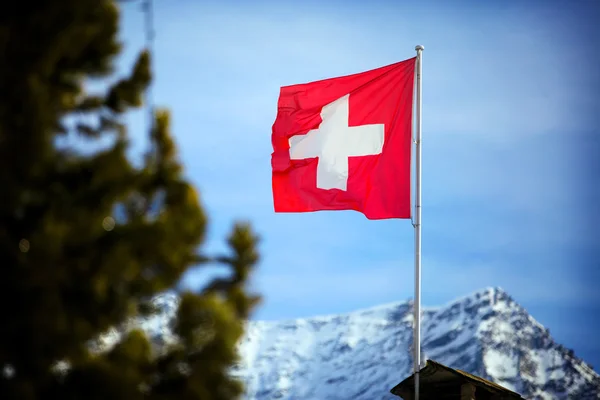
<point>439,381</point>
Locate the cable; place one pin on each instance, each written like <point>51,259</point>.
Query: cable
<point>148,10</point>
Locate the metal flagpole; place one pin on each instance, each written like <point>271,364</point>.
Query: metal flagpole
<point>417,226</point>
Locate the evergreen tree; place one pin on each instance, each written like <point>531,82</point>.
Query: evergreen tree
<point>87,238</point>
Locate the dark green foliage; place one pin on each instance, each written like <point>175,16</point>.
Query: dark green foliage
<point>86,239</point>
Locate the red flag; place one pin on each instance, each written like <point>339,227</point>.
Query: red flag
<point>345,144</point>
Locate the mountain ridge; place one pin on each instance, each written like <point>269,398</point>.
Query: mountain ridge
<point>486,333</point>
<point>362,354</point>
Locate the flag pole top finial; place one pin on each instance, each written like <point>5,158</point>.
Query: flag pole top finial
<point>419,48</point>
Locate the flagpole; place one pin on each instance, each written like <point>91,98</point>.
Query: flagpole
<point>417,226</point>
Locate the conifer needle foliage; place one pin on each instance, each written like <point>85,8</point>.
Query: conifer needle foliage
<point>88,237</point>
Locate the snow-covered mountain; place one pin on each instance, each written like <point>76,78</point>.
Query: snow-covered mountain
<point>363,354</point>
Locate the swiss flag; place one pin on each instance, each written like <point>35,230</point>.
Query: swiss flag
<point>345,144</point>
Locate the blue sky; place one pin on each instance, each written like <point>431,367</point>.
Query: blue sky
<point>510,137</point>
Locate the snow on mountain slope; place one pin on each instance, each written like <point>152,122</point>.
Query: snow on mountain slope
<point>363,354</point>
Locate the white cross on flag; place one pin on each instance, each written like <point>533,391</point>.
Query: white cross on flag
<point>345,144</point>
